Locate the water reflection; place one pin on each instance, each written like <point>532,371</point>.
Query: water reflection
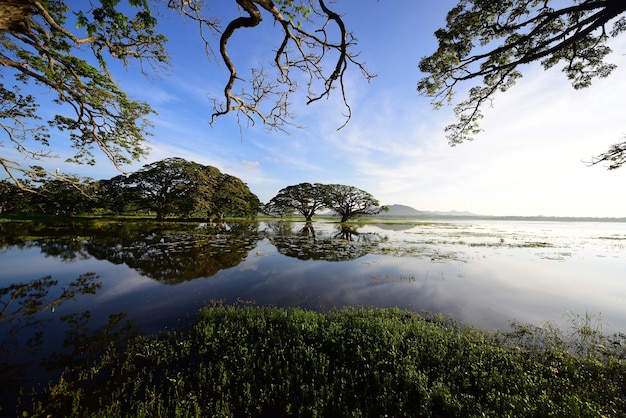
<point>82,344</point>
<point>30,326</point>
<point>151,276</point>
<point>174,256</point>
<point>341,243</point>
<point>169,253</point>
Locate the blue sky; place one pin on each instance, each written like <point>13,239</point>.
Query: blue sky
<point>528,160</point>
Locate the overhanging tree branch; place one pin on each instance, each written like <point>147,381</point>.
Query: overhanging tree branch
<point>265,97</point>
<point>489,41</point>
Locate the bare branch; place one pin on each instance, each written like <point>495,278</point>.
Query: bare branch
<point>265,97</point>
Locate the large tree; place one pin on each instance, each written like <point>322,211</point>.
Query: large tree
<point>183,188</point>
<point>232,197</point>
<point>67,47</point>
<point>349,201</point>
<point>167,187</point>
<point>488,41</point>
<point>304,198</point>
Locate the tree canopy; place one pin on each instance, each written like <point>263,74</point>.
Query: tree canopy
<point>170,187</point>
<point>40,44</point>
<point>487,42</point>
<point>304,198</point>
<point>349,201</point>
<point>167,186</point>
<point>68,47</point>
<point>181,187</point>
<point>307,199</point>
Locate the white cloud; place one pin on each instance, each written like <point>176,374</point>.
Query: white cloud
<point>251,164</point>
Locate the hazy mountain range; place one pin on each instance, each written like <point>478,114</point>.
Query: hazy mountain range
<point>403,211</point>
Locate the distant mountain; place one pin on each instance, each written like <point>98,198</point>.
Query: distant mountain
<point>403,211</point>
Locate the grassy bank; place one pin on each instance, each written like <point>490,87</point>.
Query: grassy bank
<point>354,362</point>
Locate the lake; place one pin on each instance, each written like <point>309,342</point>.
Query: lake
<point>67,290</point>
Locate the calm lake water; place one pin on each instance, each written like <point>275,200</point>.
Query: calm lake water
<point>67,290</point>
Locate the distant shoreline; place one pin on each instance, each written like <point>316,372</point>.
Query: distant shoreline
<point>499,218</point>
<point>408,212</point>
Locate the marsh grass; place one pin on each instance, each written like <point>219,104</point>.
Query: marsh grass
<point>250,361</point>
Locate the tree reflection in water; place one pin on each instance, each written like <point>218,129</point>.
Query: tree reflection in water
<point>175,255</point>
<point>28,326</point>
<point>170,253</point>
<point>37,343</point>
<point>344,243</point>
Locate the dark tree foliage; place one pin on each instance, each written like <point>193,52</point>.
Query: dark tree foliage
<point>350,202</point>
<point>488,41</point>
<point>166,187</point>
<point>307,199</point>
<point>60,197</point>
<point>13,198</point>
<point>175,186</point>
<point>232,197</point>
<point>304,198</point>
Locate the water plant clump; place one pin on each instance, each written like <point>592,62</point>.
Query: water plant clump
<point>251,361</point>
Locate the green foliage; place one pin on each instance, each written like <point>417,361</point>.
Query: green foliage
<point>12,198</point>
<point>353,362</point>
<point>170,187</point>
<point>40,48</point>
<point>304,198</point>
<point>180,187</point>
<point>294,11</point>
<point>232,197</point>
<point>67,197</point>
<point>349,201</point>
<point>488,41</point>
<point>307,199</point>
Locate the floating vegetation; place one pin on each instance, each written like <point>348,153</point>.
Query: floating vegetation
<point>559,256</point>
<point>530,244</point>
<point>390,278</point>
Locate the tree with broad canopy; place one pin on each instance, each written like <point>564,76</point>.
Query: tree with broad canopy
<point>304,198</point>
<point>167,186</point>
<point>349,201</point>
<point>232,197</point>
<point>307,199</point>
<point>181,187</point>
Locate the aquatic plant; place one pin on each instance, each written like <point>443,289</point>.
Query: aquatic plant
<point>252,361</point>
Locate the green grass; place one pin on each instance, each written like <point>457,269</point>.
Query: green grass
<point>251,362</point>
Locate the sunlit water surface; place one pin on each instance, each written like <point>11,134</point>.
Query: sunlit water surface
<point>486,273</point>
